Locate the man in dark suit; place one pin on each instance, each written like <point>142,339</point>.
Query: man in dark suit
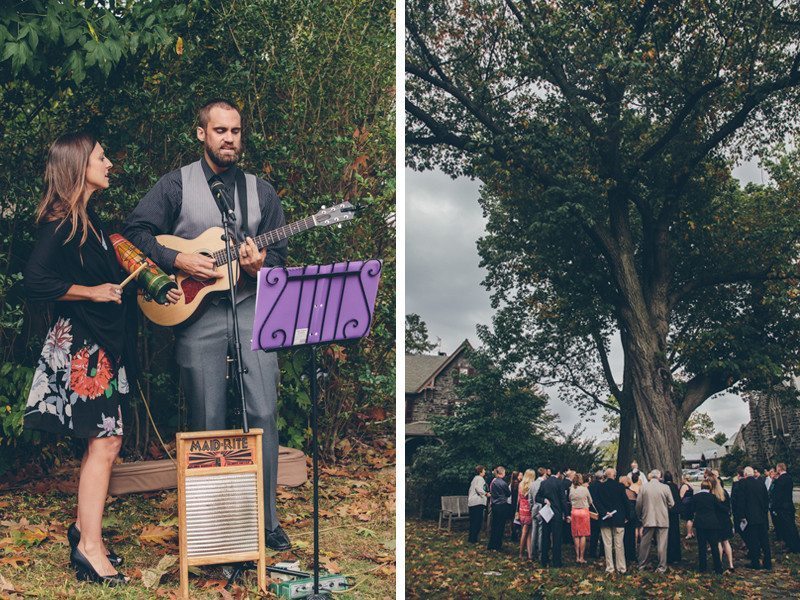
<point>594,539</point>
<point>752,506</point>
<point>736,510</point>
<point>552,492</point>
<point>613,510</point>
<point>783,509</point>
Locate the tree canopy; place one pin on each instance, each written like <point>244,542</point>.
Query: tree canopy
<point>605,135</point>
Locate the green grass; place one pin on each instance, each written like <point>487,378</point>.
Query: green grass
<point>357,538</point>
<point>444,565</point>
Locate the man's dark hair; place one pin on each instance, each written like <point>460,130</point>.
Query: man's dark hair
<point>203,111</point>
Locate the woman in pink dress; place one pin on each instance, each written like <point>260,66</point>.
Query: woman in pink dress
<point>580,522</point>
<point>524,510</point>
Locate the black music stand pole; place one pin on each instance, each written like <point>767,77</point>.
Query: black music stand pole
<point>315,461</point>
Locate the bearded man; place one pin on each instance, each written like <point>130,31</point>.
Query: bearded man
<point>181,204</point>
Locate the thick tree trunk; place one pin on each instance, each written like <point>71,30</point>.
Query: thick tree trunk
<point>627,422</point>
<point>627,430</point>
<point>659,422</point>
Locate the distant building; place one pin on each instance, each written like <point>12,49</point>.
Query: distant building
<point>693,454</point>
<point>702,452</point>
<point>431,382</point>
<point>773,433</point>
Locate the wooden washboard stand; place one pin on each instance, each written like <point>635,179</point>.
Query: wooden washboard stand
<point>220,501</point>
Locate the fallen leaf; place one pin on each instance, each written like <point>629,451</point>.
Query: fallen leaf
<point>15,561</point>
<point>158,535</point>
<point>151,578</point>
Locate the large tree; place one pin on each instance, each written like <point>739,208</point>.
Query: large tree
<point>604,133</point>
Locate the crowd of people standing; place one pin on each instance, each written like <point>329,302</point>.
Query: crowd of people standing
<point>628,513</point>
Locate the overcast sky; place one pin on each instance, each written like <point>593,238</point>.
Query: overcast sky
<point>443,224</point>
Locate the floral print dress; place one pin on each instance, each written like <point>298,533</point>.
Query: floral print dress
<point>76,387</point>
<point>80,382</point>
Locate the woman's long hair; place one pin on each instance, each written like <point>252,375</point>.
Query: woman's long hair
<point>716,488</point>
<point>527,480</point>
<point>65,183</point>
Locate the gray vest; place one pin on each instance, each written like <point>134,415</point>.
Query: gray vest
<point>199,212</point>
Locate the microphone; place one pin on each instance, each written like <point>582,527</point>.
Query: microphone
<point>221,198</point>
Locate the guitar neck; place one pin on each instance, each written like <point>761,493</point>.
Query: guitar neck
<point>267,239</point>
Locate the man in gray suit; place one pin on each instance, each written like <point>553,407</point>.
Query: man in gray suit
<point>652,507</point>
<point>181,204</point>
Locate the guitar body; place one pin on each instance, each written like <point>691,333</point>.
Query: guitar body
<point>195,293</point>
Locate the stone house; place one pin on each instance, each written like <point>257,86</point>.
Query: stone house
<point>773,433</point>
<point>431,382</point>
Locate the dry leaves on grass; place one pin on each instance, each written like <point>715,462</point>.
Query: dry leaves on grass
<point>157,535</point>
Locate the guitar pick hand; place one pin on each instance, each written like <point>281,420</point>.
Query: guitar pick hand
<point>197,265</point>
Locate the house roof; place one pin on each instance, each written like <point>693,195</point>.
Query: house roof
<point>421,428</point>
<point>703,447</point>
<point>422,369</point>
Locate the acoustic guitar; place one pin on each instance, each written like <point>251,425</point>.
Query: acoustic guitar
<point>211,244</point>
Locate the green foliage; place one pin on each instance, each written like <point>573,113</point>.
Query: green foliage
<point>417,335</point>
<point>15,382</point>
<point>735,458</point>
<point>720,438</point>
<point>314,81</point>
<point>503,421</point>
<point>699,425</point>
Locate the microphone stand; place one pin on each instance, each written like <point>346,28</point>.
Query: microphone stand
<point>227,219</point>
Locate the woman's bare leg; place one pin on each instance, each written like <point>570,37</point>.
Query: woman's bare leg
<point>92,491</point>
<point>522,540</point>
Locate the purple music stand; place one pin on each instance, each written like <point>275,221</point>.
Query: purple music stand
<point>308,306</point>
<point>315,304</point>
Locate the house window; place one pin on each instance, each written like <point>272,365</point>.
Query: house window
<point>776,418</point>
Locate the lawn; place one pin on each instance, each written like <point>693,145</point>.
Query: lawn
<point>357,510</point>
<point>443,565</point>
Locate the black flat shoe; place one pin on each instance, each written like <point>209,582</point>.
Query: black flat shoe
<point>74,537</point>
<point>84,571</point>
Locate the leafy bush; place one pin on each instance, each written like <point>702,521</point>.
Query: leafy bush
<point>314,80</point>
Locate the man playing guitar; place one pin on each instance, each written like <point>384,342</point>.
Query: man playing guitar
<point>181,203</point>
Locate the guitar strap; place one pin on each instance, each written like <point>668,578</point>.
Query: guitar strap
<point>241,192</point>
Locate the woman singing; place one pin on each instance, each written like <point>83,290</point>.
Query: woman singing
<point>80,380</point>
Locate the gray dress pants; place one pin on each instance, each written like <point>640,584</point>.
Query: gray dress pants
<point>201,351</point>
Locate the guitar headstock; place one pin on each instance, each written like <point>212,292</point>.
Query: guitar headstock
<point>335,214</point>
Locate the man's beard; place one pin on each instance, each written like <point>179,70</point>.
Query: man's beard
<point>223,161</point>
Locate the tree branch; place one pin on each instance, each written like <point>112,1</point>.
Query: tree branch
<point>601,349</point>
<point>680,117</point>
<point>752,102</point>
<point>701,387</point>
<point>440,132</point>
<point>456,93</point>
